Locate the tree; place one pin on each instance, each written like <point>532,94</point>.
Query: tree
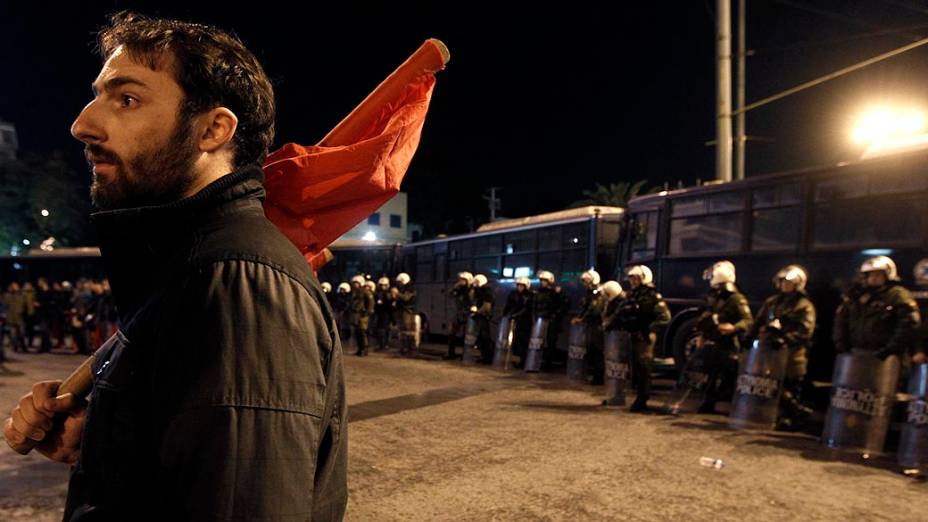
<point>612,195</point>
<point>33,184</point>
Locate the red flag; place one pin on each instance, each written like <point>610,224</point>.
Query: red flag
<point>317,193</point>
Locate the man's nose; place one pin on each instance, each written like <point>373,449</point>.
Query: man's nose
<point>85,128</point>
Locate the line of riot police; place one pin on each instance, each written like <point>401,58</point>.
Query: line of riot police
<point>758,362</point>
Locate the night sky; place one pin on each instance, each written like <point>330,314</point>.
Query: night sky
<point>544,102</point>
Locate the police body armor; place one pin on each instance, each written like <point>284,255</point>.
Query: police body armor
<point>756,401</point>
<point>535,345</point>
<point>862,395</point>
<point>576,351</point>
<point>913,442</point>
<point>501,355</point>
<point>471,332</point>
<point>617,353</point>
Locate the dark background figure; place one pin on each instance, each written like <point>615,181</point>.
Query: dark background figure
<point>463,295</point>
<point>45,313</point>
<point>342,301</point>
<point>727,317</point>
<point>15,303</point>
<point>518,308</point>
<point>551,304</point>
<point>482,311</point>
<point>30,316</point>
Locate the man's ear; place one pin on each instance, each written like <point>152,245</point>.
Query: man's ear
<point>216,129</point>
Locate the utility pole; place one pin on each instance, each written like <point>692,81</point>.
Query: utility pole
<point>740,137</point>
<point>494,202</point>
<point>723,91</point>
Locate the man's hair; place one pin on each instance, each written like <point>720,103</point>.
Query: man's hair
<point>213,68</point>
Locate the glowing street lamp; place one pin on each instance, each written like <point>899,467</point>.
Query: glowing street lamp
<point>883,124</point>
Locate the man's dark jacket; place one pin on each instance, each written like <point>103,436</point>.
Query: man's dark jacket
<point>222,397</point>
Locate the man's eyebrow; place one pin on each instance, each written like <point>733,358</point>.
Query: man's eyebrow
<point>118,81</point>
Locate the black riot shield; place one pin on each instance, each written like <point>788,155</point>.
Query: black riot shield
<point>535,345</point>
<point>862,394</point>
<point>618,372</point>
<point>756,402</point>
<point>576,352</point>
<point>913,442</point>
<point>471,331</point>
<point>503,352</point>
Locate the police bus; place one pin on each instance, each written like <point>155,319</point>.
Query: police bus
<point>566,243</point>
<point>828,220</point>
<point>375,259</point>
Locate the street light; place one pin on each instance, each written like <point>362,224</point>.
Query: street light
<point>26,242</point>
<point>882,123</point>
<point>890,130</point>
<point>44,213</point>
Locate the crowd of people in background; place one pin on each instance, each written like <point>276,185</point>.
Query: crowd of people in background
<point>56,315</point>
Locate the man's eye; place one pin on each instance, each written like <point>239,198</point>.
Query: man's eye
<point>128,101</point>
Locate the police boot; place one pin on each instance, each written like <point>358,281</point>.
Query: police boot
<point>640,405</point>
<point>707,407</point>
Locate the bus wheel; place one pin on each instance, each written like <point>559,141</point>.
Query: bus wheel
<point>684,343</point>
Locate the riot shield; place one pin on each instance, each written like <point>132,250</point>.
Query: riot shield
<point>913,442</point>
<point>576,352</point>
<point>617,353</point>
<point>535,345</point>
<point>471,332</point>
<point>691,383</point>
<point>756,401</point>
<point>503,352</point>
<point>862,394</point>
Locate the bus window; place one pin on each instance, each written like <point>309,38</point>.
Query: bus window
<point>576,235</point>
<point>842,188</point>
<point>575,263</point>
<point>519,266</point>
<point>551,261</point>
<point>851,223</point>
<point>720,232</point>
<point>726,202</point>
<point>441,267</point>
<point>488,245</point>
<point>488,266</point>
<point>775,229</point>
<point>644,235</point>
<point>520,242</point>
<point>706,234</point>
<point>461,265</point>
<point>776,196</point>
<point>549,238</point>
<point>894,184</point>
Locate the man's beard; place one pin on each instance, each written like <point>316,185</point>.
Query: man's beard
<point>158,176</point>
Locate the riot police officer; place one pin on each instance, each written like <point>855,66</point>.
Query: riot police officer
<point>591,310</point>
<point>549,304</point>
<point>362,307</point>
<point>404,306</point>
<point>878,314</point>
<point>383,312</point>
<point>482,310</point>
<point>642,313</point>
<point>519,309</point>
<point>727,316</point>
<point>327,291</point>
<point>787,320</point>
<point>463,295</point>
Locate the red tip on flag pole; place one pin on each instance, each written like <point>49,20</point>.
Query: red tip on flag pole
<point>317,193</point>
